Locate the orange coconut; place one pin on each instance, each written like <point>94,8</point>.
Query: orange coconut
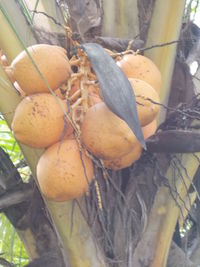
<point>147,101</point>
<point>141,67</point>
<point>52,62</point>
<point>63,173</point>
<point>93,99</point>
<point>94,89</point>
<point>39,121</point>
<point>104,134</point>
<point>149,129</point>
<point>126,160</point>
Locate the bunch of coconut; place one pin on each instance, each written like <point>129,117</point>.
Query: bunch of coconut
<point>42,119</point>
<point>107,136</point>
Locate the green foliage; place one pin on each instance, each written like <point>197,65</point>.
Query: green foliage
<point>8,143</point>
<point>192,10</point>
<point>27,12</point>
<point>11,247</point>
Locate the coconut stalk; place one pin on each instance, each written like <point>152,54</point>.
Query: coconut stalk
<point>155,243</point>
<point>168,15</point>
<point>40,19</point>
<point>165,210</point>
<point>6,44</point>
<point>120,18</point>
<point>14,12</point>
<point>77,243</point>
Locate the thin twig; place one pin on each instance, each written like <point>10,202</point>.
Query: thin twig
<point>48,16</point>
<point>159,45</point>
<point>189,178</point>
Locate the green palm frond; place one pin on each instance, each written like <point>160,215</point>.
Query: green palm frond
<point>26,11</point>
<point>11,248</point>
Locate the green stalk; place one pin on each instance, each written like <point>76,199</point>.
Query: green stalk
<point>18,19</point>
<point>35,8</point>
<point>50,9</point>
<point>165,27</point>
<point>8,41</point>
<point>120,18</point>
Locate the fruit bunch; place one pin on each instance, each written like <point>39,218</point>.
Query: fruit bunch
<point>63,112</point>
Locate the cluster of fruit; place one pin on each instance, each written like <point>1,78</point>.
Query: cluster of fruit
<point>63,112</point>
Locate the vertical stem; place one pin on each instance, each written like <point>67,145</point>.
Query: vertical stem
<point>154,246</point>
<point>18,19</point>
<point>47,7</point>
<point>165,27</point>
<point>8,38</point>
<point>120,18</point>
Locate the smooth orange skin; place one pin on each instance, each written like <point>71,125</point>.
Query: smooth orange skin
<point>93,99</point>
<point>104,134</point>
<point>149,129</point>
<point>141,67</point>
<point>124,161</point>
<point>92,89</point>
<point>147,111</point>
<point>52,62</point>
<point>38,121</point>
<point>60,171</point>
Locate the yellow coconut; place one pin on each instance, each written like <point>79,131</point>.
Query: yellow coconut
<point>63,173</point>
<point>39,121</point>
<point>104,134</point>
<point>149,129</point>
<point>141,67</point>
<point>52,62</point>
<point>126,160</point>
<point>94,89</point>
<point>147,101</point>
<point>93,99</point>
